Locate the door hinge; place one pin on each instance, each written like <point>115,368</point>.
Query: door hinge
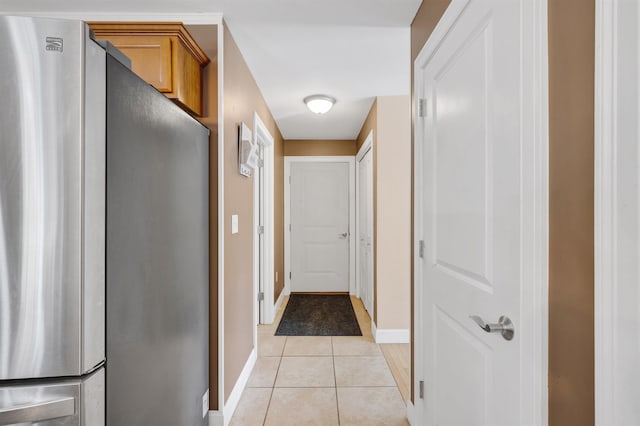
<point>289,275</point>
<point>421,249</point>
<point>260,296</point>
<point>421,389</point>
<point>422,107</point>
<point>260,230</point>
<point>289,227</point>
<point>261,163</point>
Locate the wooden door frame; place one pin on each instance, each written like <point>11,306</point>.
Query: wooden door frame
<point>288,160</point>
<point>534,222</point>
<point>364,149</point>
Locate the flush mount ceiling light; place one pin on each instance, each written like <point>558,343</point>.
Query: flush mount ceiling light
<point>319,104</point>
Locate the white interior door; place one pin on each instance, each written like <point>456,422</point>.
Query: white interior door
<point>617,221</point>
<point>319,202</point>
<point>365,230</point>
<point>473,188</point>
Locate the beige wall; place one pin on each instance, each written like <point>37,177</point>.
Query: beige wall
<point>310,147</point>
<point>278,219</point>
<point>389,118</point>
<point>393,207</point>
<point>207,38</point>
<point>241,98</point>
<point>571,173</point>
<point>571,265</point>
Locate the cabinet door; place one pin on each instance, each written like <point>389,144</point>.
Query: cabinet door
<point>151,58</point>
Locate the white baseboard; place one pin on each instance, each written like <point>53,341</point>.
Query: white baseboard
<point>411,413</point>
<point>277,305</point>
<point>232,402</point>
<point>216,418</point>
<point>382,335</point>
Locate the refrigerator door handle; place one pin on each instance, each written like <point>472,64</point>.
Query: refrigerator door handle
<point>38,412</point>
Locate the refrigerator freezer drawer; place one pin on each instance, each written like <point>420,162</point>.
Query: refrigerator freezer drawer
<point>52,199</point>
<point>76,402</point>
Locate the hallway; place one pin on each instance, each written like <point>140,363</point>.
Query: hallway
<point>325,380</point>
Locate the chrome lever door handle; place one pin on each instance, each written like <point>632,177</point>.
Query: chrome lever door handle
<point>504,326</point>
<point>343,235</point>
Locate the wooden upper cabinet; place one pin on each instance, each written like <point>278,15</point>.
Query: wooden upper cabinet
<point>163,54</point>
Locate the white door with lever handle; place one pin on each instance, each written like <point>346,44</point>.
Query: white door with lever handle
<point>319,233</point>
<point>475,219</point>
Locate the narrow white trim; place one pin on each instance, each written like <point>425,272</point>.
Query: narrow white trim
<point>411,413</point>
<point>401,335</point>
<point>278,303</point>
<point>534,299</point>
<point>209,18</point>
<point>216,418</point>
<point>238,388</point>
<point>374,329</point>
<point>221,217</point>
<point>263,138</point>
<point>604,211</point>
<point>258,307</point>
<point>287,212</point>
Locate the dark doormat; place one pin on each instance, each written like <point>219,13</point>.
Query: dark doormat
<point>319,315</point>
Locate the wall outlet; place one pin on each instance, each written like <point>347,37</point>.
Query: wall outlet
<point>205,404</point>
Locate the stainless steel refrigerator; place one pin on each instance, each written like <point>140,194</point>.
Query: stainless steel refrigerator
<point>103,238</point>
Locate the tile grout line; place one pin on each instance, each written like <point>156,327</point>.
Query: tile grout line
<point>335,380</point>
<point>273,385</point>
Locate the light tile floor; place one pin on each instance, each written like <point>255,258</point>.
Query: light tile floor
<point>325,380</point>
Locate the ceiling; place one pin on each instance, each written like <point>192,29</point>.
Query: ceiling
<point>352,50</point>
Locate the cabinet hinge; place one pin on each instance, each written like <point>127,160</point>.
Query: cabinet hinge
<point>421,249</point>
<point>289,275</point>
<point>260,230</point>
<point>260,296</point>
<point>261,163</point>
<point>421,389</point>
<point>422,107</point>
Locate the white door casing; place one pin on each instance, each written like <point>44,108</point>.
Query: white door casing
<point>481,213</point>
<point>319,217</point>
<point>263,247</point>
<point>617,213</point>
<point>364,225</point>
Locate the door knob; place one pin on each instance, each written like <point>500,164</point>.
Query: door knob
<point>504,326</point>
